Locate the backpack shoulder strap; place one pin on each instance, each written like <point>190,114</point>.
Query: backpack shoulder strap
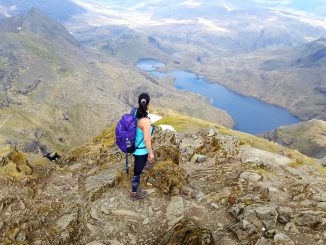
<point>133,111</point>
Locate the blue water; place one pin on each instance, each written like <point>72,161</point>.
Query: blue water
<point>250,115</point>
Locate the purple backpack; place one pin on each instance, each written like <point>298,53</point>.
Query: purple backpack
<point>125,134</point>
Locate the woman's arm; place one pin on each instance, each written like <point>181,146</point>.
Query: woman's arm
<point>146,127</point>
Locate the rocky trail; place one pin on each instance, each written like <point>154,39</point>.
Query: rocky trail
<point>205,188</point>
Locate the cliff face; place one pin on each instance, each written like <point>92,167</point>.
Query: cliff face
<point>209,185</point>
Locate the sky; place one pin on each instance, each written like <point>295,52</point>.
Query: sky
<point>312,7</point>
<point>316,7</point>
<point>67,8</point>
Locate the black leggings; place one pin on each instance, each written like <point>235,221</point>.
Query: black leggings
<point>140,162</point>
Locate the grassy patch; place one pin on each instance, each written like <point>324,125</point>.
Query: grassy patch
<point>184,123</point>
<point>78,153</point>
<point>35,46</point>
<point>107,137</point>
<point>17,157</point>
<point>11,171</point>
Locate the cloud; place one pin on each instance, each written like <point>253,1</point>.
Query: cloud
<point>212,26</point>
<point>111,13</point>
<point>6,11</point>
<point>190,4</point>
<point>275,2</point>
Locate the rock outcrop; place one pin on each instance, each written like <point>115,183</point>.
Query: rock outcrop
<point>236,195</point>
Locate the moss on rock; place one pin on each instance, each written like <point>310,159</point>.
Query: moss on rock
<point>165,176</point>
<point>14,164</point>
<point>187,232</point>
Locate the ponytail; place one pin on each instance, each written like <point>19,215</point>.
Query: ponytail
<point>143,101</point>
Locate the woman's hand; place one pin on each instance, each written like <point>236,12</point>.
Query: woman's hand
<point>151,157</point>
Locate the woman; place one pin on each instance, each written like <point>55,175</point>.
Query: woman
<point>143,144</point>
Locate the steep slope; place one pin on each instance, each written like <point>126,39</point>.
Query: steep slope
<point>43,70</point>
<point>55,94</point>
<point>312,54</point>
<point>231,191</point>
<point>35,22</point>
<point>307,137</point>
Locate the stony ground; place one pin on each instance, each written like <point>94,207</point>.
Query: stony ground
<point>204,186</point>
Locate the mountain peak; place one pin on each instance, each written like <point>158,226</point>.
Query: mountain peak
<point>36,22</point>
<point>36,14</point>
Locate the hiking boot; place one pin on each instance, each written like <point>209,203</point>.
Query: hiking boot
<point>138,195</point>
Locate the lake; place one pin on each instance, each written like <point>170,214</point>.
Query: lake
<point>251,115</point>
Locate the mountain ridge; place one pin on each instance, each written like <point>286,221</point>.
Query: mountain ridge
<point>36,22</point>
<point>234,186</point>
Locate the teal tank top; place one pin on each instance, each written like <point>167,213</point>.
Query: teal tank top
<point>140,141</point>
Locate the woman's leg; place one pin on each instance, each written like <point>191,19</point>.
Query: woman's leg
<point>140,162</point>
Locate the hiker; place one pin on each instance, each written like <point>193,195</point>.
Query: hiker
<point>143,152</point>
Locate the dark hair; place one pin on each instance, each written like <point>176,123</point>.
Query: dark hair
<point>143,101</point>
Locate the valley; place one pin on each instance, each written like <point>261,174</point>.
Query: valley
<point>263,117</point>
<point>56,94</point>
<point>275,56</point>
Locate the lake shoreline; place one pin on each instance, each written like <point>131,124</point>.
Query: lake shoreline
<point>269,116</point>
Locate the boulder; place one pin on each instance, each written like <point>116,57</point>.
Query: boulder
<point>189,146</point>
<point>250,176</point>
<point>237,209</point>
<point>66,220</point>
<point>267,214</point>
<point>244,230</point>
<point>97,183</point>
<point>259,216</point>
<point>321,205</point>
<point>253,155</point>
<point>198,158</point>
<point>198,195</point>
<point>263,241</point>
<point>175,210</point>
<point>310,218</point>
<point>320,197</point>
<point>291,227</point>
<point>284,214</point>
<point>188,232</point>
<point>282,239</point>
<point>212,132</point>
